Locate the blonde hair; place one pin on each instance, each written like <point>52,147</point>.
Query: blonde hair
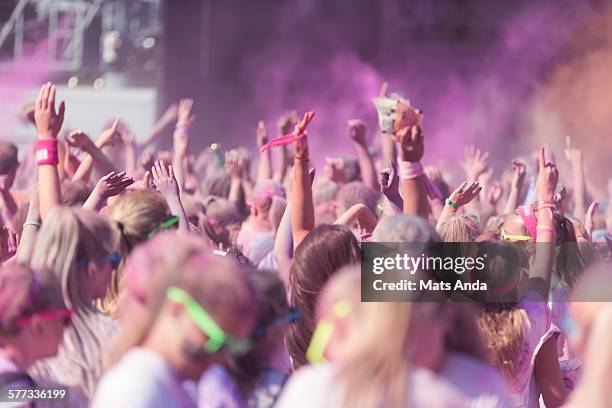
<point>459,228</point>
<point>135,214</point>
<point>594,387</point>
<point>502,323</point>
<point>373,375</point>
<point>69,235</point>
<point>501,326</point>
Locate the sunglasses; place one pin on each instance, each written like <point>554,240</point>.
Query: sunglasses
<point>218,340</point>
<point>114,259</point>
<point>514,238</point>
<point>64,314</point>
<point>323,332</point>
<point>168,223</point>
<point>290,317</point>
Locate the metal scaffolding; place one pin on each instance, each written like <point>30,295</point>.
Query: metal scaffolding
<point>63,23</point>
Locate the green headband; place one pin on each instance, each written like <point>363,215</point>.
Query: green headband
<point>170,222</point>
<point>217,338</point>
<point>324,330</point>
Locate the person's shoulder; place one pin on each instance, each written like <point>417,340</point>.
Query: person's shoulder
<point>430,390</point>
<point>134,379</point>
<point>309,386</point>
<point>477,379</point>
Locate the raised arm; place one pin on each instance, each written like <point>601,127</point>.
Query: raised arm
<point>284,125</point>
<point>302,207</point>
<point>48,125</point>
<point>361,214</point>
<point>539,274</point>
<point>588,221</point>
<point>264,165</point>
<point>236,167</point>
<point>389,186</point>
<point>283,245</point>
<point>95,156</point>
<point>164,121</point>
<point>465,193</point>
<point>30,228</point>
<point>108,186</point>
<point>515,187</point>
<point>357,132</point>
<point>129,147</point>
<point>574,156</point>
<point>9,206</point>
<point>165,182</point>
<point>412,178</point>
<point>181,141</point>
<point>475,163</point>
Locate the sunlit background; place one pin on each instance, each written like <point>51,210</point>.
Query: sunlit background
<point>504,75</point>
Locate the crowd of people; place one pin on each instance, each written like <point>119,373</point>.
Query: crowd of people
<point>138,277</point>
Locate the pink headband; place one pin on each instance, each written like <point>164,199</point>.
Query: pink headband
<point>529,218</point>
<point>281,141</point>
<point>300,129</point>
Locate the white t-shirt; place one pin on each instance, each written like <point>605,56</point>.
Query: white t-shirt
<point>142,379</point>
<point>537,329</point>
<point>316,386</point>
<point>482,384</point>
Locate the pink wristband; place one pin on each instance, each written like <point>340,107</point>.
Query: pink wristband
<point>545,228</point>
<point>182,128</point>
<point>47,152</point>
<point>529,218</point>
<point>411,170</point>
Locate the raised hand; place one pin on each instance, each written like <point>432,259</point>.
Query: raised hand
<point>433,173</point>
<point>170,115</point>
<point>334,169</point>
<point>518,177</point>
<point>79,139</point>
<point>384,87</point>
<point>180,143</point>
<point>113,184</point>
<point>465,193</point>
<point>164,179</point>
<point>262,135</point>
<point>48,121</point>
<point>588,221</point>
<point>286,123</point>
<point>411,143</point>
<point>301,126</point>
<point>146,160</point>
<point>185,118</point>
<point>147,180</point>
<point>548,176</point>
<point>357,131</point>
<point>110,136</point>
<point>494,193</point>
<point>234,163</point>
<point>560,196</point>
<point>388,180</point>
<point>301,145</point>
<point>474,163</point>
<point>572,154</point>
